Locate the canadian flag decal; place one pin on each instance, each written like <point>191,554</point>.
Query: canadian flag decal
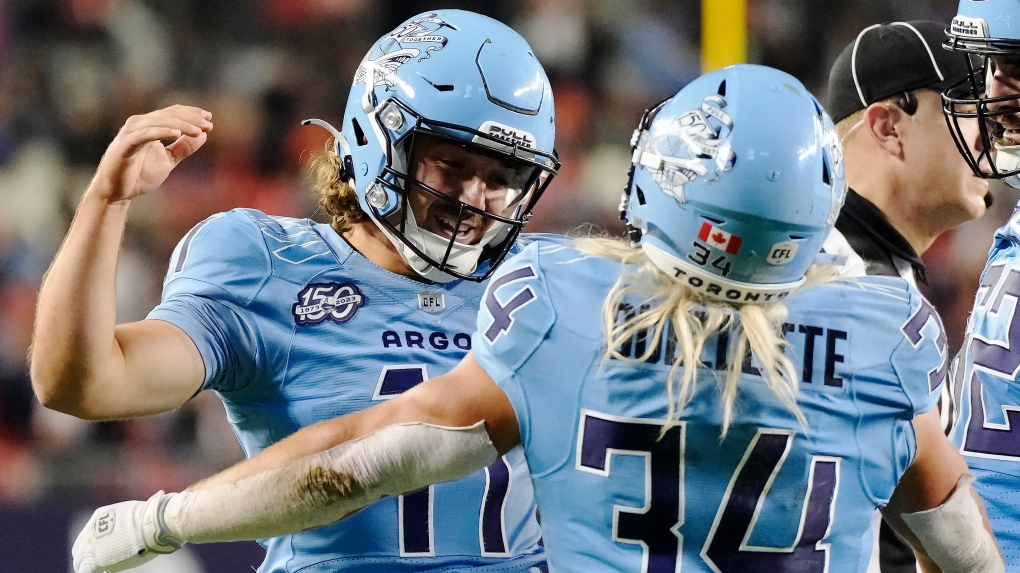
<point>716,237</point>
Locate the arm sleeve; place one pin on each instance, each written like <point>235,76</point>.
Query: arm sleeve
<point>329,485</point>
<point>515,317</point>
<point>215,273</point>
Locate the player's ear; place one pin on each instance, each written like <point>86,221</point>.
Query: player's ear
<point>882,121</point>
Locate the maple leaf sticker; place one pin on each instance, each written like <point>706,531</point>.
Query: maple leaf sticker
<point>720,239</point>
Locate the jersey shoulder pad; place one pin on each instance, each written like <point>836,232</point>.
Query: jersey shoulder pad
<point>898,343</point>
<point>232,255</point>
<point>921,360</point>
<point>224,256</point>
<point>542,238</point>
<point>515,315</point>
<point>905,327</point>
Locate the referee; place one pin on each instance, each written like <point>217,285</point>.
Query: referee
<point>908,183</point>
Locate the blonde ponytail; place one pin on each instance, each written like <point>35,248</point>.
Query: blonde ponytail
<point>694,319</point>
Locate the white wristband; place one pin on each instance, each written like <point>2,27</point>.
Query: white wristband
<point>954,536</point>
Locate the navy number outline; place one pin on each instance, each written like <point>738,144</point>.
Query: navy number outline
<point>999,358</point>
<point>751,482</point>
<point>602,436</point>
<point>415,510</point>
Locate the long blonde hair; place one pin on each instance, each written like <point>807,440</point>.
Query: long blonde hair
<point>693,319</point>
<point>335,197</point>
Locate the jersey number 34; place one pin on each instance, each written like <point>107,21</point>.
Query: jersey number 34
<point>656,526</point>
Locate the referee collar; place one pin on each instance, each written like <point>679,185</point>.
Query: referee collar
<point>871,236</point>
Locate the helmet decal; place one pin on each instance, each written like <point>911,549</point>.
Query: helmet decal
<point>396,49</point>
<point>969,27</point>
<point>833,168</point>
<point>505,133</point>
<point>694,135</point>
<point>708,141</point>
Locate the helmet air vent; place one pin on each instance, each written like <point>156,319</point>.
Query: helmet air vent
<point>722,88</point>
<point>439,87</point>
<point>359,134</point>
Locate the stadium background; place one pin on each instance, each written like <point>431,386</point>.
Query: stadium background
<point>71,72</point>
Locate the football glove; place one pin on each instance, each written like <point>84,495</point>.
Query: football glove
<point>124,535</point>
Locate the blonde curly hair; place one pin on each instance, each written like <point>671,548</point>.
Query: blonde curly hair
<point>336,198</point>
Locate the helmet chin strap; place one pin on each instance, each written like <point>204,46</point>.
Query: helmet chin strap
<point>1007,158</point>
<point>463,258</point>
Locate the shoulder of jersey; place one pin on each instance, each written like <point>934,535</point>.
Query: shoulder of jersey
<point>541,238</point>
<point>240,250</point>
<point>557,254</point>
<point>871,296</point>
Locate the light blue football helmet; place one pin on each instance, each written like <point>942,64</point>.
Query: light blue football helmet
<point>452,76</point>
<point>735,183</point>
<point>985,28</point>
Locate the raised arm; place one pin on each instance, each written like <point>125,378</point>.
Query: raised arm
<point>935,509</point>
<point>443,429</point>
<point>82,362</point>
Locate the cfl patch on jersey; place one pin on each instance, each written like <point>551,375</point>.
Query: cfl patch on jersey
<point>319,302</point>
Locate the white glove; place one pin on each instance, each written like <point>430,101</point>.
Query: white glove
<point>124,535</point>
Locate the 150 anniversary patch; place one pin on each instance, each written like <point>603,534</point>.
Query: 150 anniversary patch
<point>318,302</point>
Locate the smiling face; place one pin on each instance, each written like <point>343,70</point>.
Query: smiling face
<point>1003,79</point>
<point>471,184</point>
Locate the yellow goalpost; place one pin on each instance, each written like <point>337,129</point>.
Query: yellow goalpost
<point>723,33</point>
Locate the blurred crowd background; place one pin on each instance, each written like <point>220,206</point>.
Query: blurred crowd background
<point>71,72</point>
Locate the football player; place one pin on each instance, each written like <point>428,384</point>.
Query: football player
<point>704,396</point>
<point>986,429</point>
<point>446,145</point>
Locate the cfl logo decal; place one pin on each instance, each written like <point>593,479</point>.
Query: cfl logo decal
<point>103,525</point>
<point>782,253</point>
<point>319,302</point>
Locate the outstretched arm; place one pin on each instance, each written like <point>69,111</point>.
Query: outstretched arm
<point>935,509</point>
<point>82,362</point>
<point>443,429</point>
<point>462,397</point>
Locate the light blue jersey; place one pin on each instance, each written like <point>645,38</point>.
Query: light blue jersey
<point>613,496</point>
<point>296,327</point>
<point>986,394</point>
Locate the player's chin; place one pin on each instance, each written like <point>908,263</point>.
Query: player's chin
<point>978,200</point>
